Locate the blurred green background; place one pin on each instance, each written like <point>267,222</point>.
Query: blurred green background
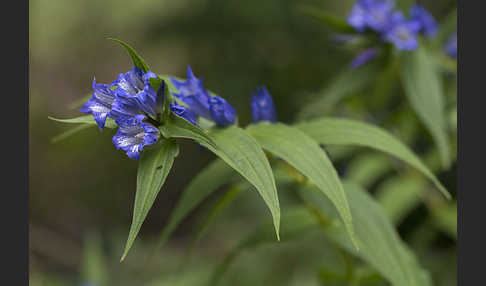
<point>82,189</point>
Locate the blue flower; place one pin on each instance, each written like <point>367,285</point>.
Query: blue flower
<point>451,46</point>
<point>221,111</point>
<point>363,58</point>
<point>262,106</point>
<point>100,103</point>
<point>427,22</point>
<point>373,14</point>
<point>184,113</point>
<point>133,134</point>
<point>402,32</point>
<point>193,93</point>
<point>135,94</point>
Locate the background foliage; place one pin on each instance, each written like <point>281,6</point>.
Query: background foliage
<point>82,190</point>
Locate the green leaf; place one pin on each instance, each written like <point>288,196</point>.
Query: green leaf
<point>242,153</point>
<point>399,195</point>
<point>302,152</point>
<point>87,119</point>
<point>153,169</point>
<point>380,245</point>
<point>329,131</point>
<point>68,133</point>
<point>423,87</point>
<point>368,168</point>
<point>328,19</point>
<point>137,60</point>
<point>212,177</point>
<point>344,84</point>
<point>180,128</point>
<point>445,218</point>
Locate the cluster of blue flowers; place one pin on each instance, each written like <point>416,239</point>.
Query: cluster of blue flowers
<point>391,26</point>
<point>136,106</point>
<point>129,100</point>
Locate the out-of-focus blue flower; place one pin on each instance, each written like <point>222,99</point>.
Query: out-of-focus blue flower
<point>402,32</point>
<point>100,103</point>
<point>133,134</point>
<point>373,14</point>
<point>134,90</point>
<point>262,106</point>
<point>221,111</point>
<point>451,46</point>
<point>363,57</point>
<point>193,93</point>
<point>184,113</point>
<point>428,25</point>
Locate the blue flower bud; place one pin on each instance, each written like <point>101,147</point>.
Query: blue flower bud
<point>221,111</point>
<point>262,106</point>
<point>451,46</point>
<point>193,93</point>
<point>184,113</point>
<point>364,57</point>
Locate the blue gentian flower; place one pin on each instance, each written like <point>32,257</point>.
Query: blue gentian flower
<point>364,57</point>
<point>221,111</point>
<point>427,22</point>
<point>193,93</point>
<point>184,113</point>
<point>451,46</point>
<point>373,14</point>
<point>262,106</point>
<point>133,134</point>
<point>100,103</point>
<point>402,32</point>
<point>134,90</point>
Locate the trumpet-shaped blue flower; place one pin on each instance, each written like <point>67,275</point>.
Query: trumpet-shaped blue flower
<point>363,57</point>
<point>451,46</point>
<point>100,103</point>
<point>133,134</point>
<point>262,106</point>
<point>135,94</point>
<point>193,93</point>
<point>373,14</point>
<point>221,111</point>
<point>184,113</point>
<point>402,32</point>
<point>428,25</point>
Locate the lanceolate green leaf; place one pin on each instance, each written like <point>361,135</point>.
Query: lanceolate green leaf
<point>242,153</point>
<point>137,60</point>
<point>380,245</point>
<point>350,132</point>
<point>153,169</point>
<point>302,152</point>
<point>399,195</point>
<point>423,87</point>
<point>239,150</point>
<point>180,128</point>
<point>68,133</point>
<point>215,175</point>
<point>345,83</point>
<point>87,119</point>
